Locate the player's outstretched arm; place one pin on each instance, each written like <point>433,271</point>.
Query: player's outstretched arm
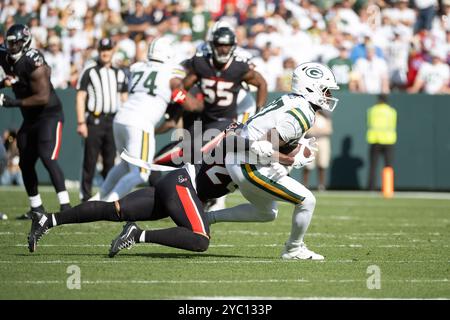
<point>255,78</point>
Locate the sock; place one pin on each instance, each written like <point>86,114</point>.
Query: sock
<point>88,212</point>
<point>35,201</point>
<point>140,238</point>
<point>53,222</point>
<point>63,197</point>
<point>301,219</point>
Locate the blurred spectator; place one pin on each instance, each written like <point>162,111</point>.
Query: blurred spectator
<point>295,38</point>
<point>138,21</point>
<point>38,32</point>
<point>342,70</point>
<point>231,15</point>
<point>251,47</point>
<point>401,13</point>
<point>427,12</point>
<point>270,36</point>
<point>254,22</point>
<point>49,15</point>
<point>397,52</point>
<point>321,130</point>
<point>184,48</point>
<point>158,12</point>
<point>372,73</point>
<point>284,80</point>
<point>270,67</point>
<point>126,45</point>
<point>198,20</point>
<point>57,61</point>
<point>381,136</point>
<point>142,47</point>
<point>12,175</point>
<point>359,51</point>
<point>22,16</point>
<point>434,77</point>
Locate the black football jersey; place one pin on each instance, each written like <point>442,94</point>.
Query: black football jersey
<point>219,87</point>
<point>212,178</point>
<point>21,70</point>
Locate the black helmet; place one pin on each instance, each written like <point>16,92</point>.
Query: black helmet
<point>18,40</point>
<point>223,37</point>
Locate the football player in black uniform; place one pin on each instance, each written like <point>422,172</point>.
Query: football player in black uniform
<point>219,74</point>
<point>41,131</point>
<point>178,195</point>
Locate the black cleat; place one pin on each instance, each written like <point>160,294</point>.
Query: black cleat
<point>27,216</point>
<point>39,226</point>
<point>126,239</point>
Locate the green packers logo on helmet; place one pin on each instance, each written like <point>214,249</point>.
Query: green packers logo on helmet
<point>314,73</point>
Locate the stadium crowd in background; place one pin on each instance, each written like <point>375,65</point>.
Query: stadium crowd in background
<point>406,42</point>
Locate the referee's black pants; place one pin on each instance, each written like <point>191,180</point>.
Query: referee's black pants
<point>100,140</point>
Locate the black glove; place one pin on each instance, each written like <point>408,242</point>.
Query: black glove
<point>8,102</point>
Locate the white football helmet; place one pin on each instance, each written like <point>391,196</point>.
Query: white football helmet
<point>314,81</point>
<point>160,50</point>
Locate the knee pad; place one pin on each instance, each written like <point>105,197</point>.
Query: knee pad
<point>309,201</point>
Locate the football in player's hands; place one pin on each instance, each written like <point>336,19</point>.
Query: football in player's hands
<point>293,149</point>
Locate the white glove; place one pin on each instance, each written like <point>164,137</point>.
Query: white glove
<point>277,171</point>
<point>262,148</point>
<point>300,160</point>
<point>311,143</point>
<point>1,99</point>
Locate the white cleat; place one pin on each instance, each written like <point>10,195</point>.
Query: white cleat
<point>299,252</point>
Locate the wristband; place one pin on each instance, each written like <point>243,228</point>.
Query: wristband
<point>179,96</point>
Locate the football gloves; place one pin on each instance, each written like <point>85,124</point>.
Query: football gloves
<point>300,160</point>
<point>262,148</point>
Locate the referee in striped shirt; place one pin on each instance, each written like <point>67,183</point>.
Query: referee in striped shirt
<point>101,89</point>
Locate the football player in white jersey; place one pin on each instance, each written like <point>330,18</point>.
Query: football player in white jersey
<point>284,122</point>
<point>154,83</point>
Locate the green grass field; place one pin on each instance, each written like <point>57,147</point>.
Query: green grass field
<point>406,237</point>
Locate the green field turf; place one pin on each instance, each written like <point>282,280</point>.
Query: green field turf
<point>407,238</point>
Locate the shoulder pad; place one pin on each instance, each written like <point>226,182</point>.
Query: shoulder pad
<point>35,57</point>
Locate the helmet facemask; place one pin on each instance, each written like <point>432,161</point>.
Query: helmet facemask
<point>220,57</point>
<point>223,44</point>
<point>325,99</point>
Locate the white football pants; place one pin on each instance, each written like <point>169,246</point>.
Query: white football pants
<point>123,177</point>
<point>262,193</point>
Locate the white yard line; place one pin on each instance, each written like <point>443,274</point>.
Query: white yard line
<point>220,281</point>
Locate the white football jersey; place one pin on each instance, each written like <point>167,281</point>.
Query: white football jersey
<point>291,115</point>
<point>148,94</point>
